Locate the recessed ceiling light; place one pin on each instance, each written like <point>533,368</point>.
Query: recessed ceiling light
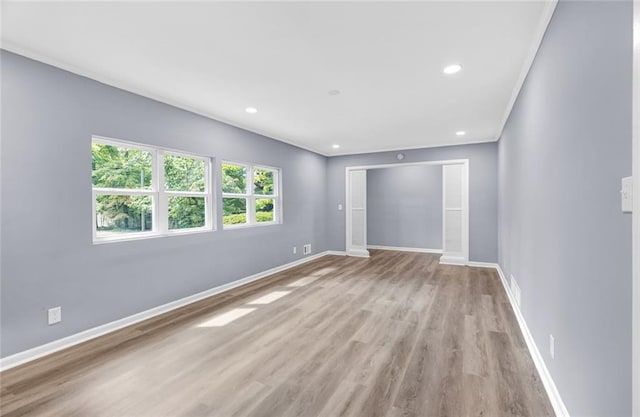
<point>335,146</point>
<point>461,133</point>
<point>334,92</point>
<point>251,110</point>
<point>452,69</point>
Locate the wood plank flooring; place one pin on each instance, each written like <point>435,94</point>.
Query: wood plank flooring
<point>393,335</point>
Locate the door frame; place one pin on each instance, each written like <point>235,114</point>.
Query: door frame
<point>360,253</point>
<point>465,217</point>
<point>636,212</point>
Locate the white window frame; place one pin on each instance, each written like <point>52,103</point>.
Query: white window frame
<point>636,213</point>
<point>251,197</point>
<point>158,193</point>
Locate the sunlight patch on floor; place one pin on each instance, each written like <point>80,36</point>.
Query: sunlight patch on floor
<point>226,318</point>
<point>303,281</point>
<point>269,298</point>
<point>324,271</point>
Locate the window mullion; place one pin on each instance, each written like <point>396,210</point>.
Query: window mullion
<point>251,196</point>
<point>251,200</point>
<point>95,214</point>
<point>277,202</point>
<point>185,194</point>
<point>208,200</point>
<point>122,191</point>
<point>107,226</point>
<point>162,210</point>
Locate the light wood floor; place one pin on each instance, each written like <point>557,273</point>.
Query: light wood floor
<point>393,335</point>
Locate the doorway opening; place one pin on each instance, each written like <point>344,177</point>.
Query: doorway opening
<point>454,208</point>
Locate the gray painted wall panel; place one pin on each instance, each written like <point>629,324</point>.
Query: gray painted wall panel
<point>48,117</point>
<point>562,234</point>
<point>404,206</point>
<point>483,192</point>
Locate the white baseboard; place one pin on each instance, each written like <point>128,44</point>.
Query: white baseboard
<point>336,252</point>
<point>404,249</point>
<point>453,260</point>
<point>550,387</point>
<point>483,264</point>
<point>64,343</point>
<point>69,341</point>
<point>358,253</point>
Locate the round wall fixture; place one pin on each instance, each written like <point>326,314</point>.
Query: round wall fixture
<point>452,69</point>
<point>400,156</point>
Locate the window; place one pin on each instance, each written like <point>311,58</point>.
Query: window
<point>140,191</point>
<point>250,195</point>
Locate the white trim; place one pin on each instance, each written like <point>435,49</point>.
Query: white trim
<point>465,243</point>
<point>125,191</point>
<point>466,215</point>
<point>358,253</point>
<point>160,203</point>
<point>86,335</point>
<point>475,264</point>
<point>538,35</point>
<point>347,212</point>
<point>549,386</point>
<point>16,49</point>
<point>636,211</point>
<point>444,144</point>
<point>547,381</point>
<point>21,358</point>
<point>241,226</point>
<point>400,164</point>
<point>404,249</point>
<point>157,192</point>
<point>251,197</point>
<point>453,260</point>
<point>135,144</point>
<point>198,194</point>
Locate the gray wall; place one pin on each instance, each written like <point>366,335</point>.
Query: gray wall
<point>562,235</point>
<point>48,117</point>
<point>404,206</point>
<point>483,192</point>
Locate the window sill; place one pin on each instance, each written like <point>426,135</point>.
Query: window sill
<point>248,226</point>
<point>151,235</point>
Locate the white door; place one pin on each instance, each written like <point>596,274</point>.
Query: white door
<point>357,213</point>
<point>454,224</point>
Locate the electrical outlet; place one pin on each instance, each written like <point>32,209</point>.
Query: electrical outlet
<point>295,250</point>
<point>306,249</point>
<point>339,207</point>
<point>515,291</point>
<point>54,315</point>
<point>552,346</point>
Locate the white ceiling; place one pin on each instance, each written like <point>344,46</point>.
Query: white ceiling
<point>385,58</point>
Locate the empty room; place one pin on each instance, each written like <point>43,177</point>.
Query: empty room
<point>320,208</point>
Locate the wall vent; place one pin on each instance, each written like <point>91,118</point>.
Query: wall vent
<point>306,249</point>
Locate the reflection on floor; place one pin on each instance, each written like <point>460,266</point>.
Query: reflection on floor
<point>393,335</point>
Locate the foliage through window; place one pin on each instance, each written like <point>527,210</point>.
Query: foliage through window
<point>143,191</point>
<point>249,195</point>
